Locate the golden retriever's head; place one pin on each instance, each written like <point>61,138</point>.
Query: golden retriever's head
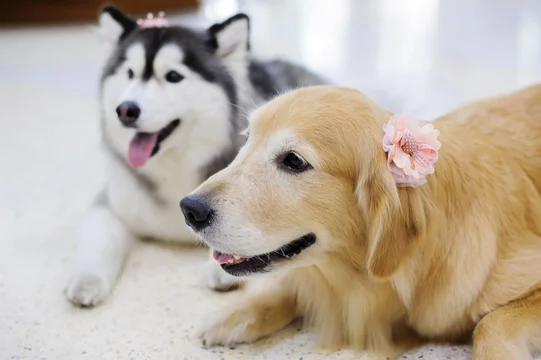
<point>310,182</point>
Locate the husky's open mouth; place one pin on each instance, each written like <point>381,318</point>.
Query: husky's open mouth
<point>145,145</point>
<point>241,265</point>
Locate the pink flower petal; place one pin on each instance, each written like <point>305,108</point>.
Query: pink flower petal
<point>412,149</point>
<point>400,158</point>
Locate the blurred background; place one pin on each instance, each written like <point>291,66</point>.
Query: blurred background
<point>418,56</point>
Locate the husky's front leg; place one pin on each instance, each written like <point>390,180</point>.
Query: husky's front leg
<point>103,242</point>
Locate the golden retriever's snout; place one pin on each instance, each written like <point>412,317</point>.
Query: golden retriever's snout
<point>217,213</point>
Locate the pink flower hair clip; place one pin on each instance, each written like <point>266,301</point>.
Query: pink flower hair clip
<point>152,21</point>
<point>412,149</point>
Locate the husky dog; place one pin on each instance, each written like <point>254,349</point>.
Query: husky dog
<point>171,100</point>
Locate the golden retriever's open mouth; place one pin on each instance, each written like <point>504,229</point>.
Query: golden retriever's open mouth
<point>241,265</point>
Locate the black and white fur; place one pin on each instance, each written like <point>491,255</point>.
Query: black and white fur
<point>218,79</point>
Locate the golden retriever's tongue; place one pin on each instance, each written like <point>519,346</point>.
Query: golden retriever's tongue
<point>222,258</point>
<point>141,148</point>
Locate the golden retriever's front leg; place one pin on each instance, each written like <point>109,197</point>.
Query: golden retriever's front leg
<point>257,315</point>
<point>510,332</point>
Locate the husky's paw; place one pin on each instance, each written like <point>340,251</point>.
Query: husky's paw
<point>86,290</point>
<point>227,328</point>
<point>218,280</point>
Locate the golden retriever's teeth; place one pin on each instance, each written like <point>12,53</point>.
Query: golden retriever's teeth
<point>230,261</point>
<point>236,257</point>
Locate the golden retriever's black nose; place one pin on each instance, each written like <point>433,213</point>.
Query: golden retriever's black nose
<point>197,212</point>
<point>128,112</point>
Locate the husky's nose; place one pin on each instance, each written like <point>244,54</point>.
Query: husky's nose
<point>197,212</point>
<point>128,112</point>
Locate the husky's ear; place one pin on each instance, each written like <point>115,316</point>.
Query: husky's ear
<point>114,25</point>
<point>394,217</point>
<point>231,38</point>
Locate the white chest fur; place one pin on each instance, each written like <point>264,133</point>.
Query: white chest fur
<point>153,211</point>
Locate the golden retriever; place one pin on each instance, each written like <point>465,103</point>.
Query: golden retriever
<point>311,201</point>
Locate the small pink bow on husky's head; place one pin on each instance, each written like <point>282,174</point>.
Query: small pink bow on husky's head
<point>412,149</point>
<point>152,21</point>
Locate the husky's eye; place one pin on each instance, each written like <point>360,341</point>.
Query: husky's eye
<point>173,77</point>
<point>130,74</point>
<point>292,162</point>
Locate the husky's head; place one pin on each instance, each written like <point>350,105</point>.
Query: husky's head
<point>171,88</point>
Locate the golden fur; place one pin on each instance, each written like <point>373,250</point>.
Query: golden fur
<point>460,254</point>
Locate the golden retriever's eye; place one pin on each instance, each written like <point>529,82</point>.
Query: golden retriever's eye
<point>294,163</point>
<point>130,74</point>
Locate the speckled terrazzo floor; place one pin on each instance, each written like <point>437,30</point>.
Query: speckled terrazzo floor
<point>51,169</point>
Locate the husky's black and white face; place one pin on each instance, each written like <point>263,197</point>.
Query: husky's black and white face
<point>167,88</point>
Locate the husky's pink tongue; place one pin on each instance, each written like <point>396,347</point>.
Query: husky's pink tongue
<point>141,148</point>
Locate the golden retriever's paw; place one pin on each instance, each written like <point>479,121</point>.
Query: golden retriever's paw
<point>228,328</point>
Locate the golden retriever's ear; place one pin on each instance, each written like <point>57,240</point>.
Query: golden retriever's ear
<point>392,222</point>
